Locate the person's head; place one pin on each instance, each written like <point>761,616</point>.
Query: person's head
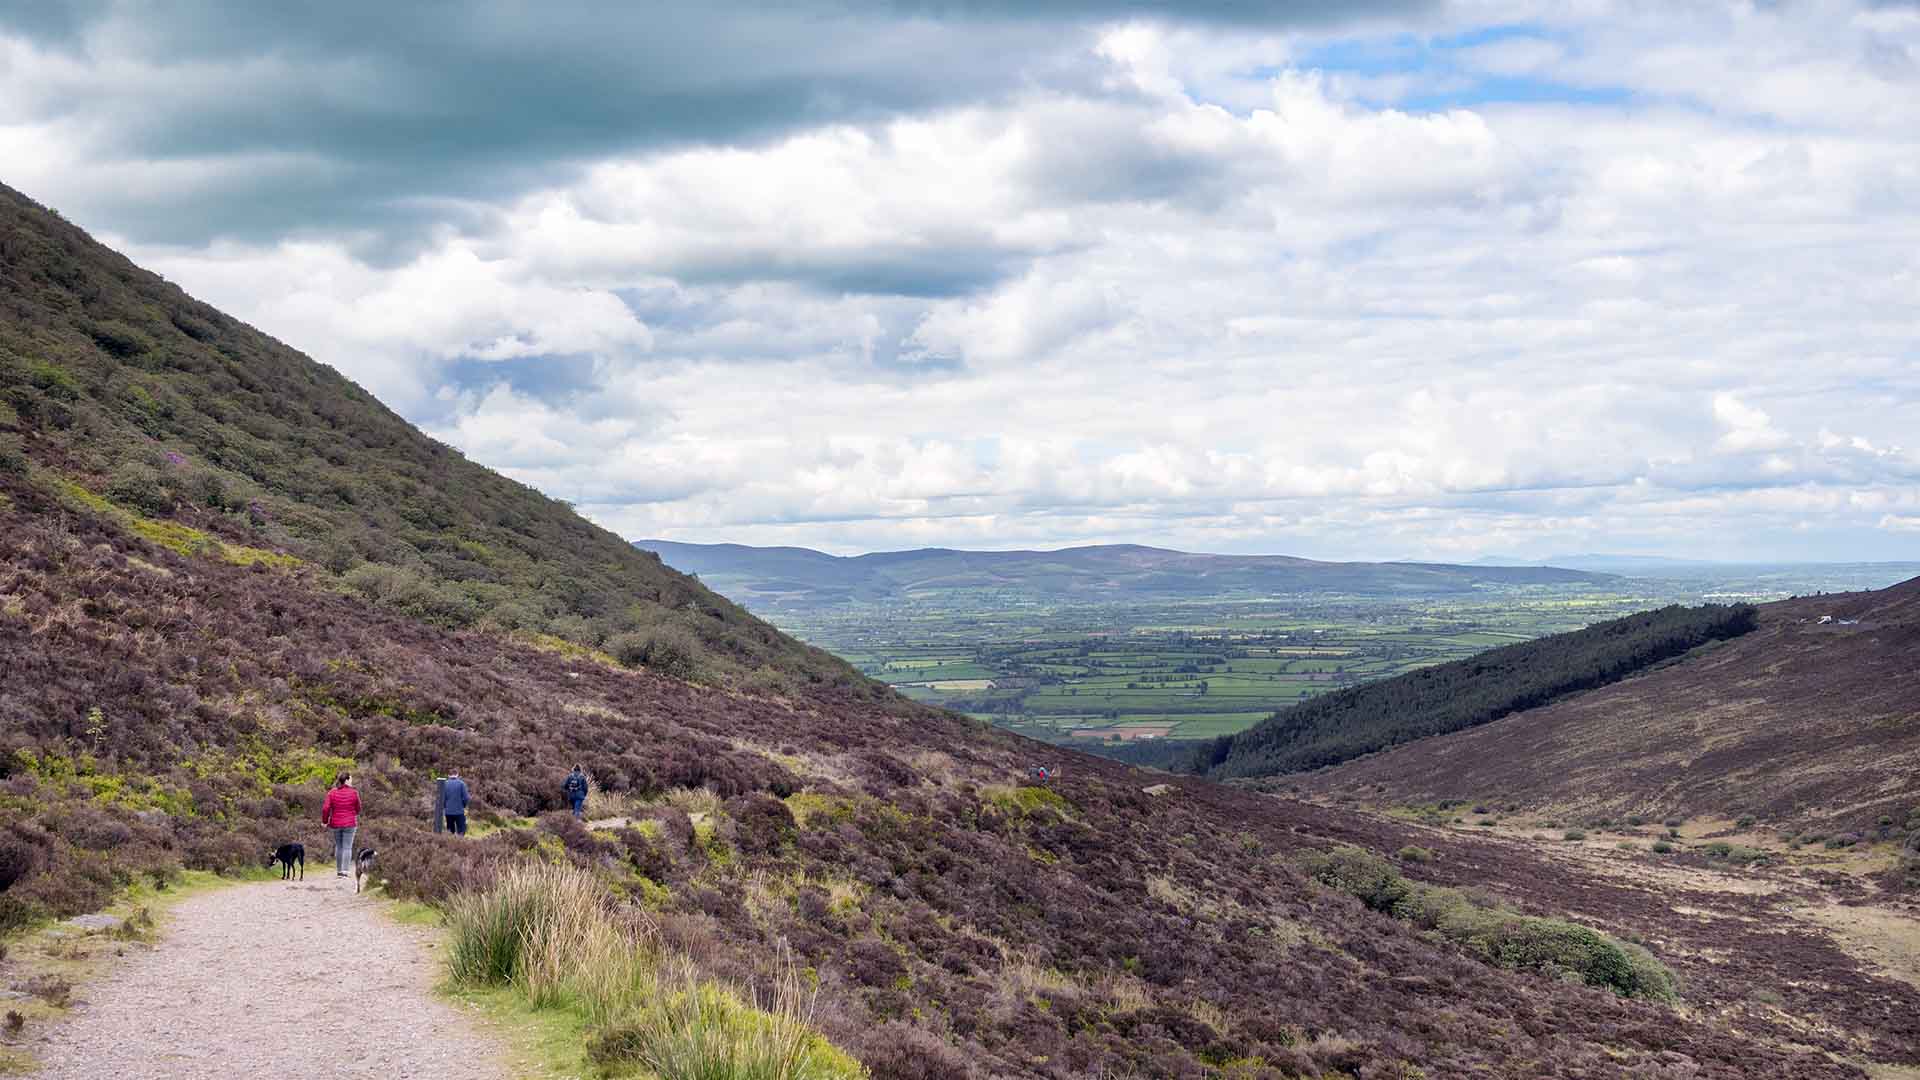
<point>576,767</point>
<point>453,773</point>
<point>343,779</point>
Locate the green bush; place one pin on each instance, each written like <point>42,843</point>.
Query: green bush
<point>1359,873</point>
<point>1573,834</point>
<point>139,486</point>
<point>1504,938</point>
<point>1413,854</point>
<point>667,650</point>
<point>1661,847</point>
<point>1554,946</point>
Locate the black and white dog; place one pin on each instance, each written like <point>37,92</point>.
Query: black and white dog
<point>362,866</point>
<point>289,856</point>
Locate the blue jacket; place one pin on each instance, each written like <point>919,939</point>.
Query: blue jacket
<point>576,786</point>
<point>456,796</point>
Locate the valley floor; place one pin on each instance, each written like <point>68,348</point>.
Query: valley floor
<point>1802,950</point>
<point>270,979</point>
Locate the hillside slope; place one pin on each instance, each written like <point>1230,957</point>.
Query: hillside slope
<point>163,709</point>
<point>1461,694</point>
<point>1801,720</point>
<point>120,383</point>
<point>805,578</point>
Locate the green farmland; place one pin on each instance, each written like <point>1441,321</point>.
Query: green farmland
<point>1083,675</point>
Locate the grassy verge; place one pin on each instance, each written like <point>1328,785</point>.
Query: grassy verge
<point>547,954</point>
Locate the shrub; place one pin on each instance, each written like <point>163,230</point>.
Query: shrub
<point>1744,821</point>
<point>1661,847</point>
<point>1504,938</point>
<point>1554,946</point>
<point>17,861</point>
<point>1413,854</point>
<point>141,487</point>
<point>667,650</point>
<point>13,455</point>
<point>1359,873</point>
<point>1573,834</point>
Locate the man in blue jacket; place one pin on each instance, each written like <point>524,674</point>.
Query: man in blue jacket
<point>576,789</point>
<point>454,803</point>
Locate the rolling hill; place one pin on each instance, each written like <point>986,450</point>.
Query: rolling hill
<point>182,676</point>
<point>1814,718</point>
<point>801,577</point>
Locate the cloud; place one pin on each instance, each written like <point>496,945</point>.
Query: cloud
<point>1123,275</point>
<point>258,121</point>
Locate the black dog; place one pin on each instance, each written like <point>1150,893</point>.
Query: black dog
<point>289,856</point>
<point>362,866</point>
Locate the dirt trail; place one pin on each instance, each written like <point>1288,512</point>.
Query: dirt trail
<point>268,980</point>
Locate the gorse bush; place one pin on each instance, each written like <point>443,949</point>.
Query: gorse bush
<point>1553,947</point>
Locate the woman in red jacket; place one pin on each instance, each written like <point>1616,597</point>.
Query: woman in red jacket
<point>341,813</point>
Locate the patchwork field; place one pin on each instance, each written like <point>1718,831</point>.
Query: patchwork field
<point>1084,674</point>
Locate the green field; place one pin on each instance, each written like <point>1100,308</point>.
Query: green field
<point>1086,674</point>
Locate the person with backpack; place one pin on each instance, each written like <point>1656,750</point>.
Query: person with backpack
<point>341,813</point>
<point>576,789</point>
<point>453,803</point>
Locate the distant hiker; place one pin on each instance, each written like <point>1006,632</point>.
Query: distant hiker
<point>576,789</point>
<point>454,799</point>
<point>341,813</point>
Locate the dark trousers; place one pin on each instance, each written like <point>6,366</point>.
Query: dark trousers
<point>457,824</point>
<point>579,805</point>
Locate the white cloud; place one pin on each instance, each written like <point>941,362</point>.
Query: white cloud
<point>1216,301</point>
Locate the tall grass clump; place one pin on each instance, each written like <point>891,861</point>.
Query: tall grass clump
<point>698,1029</point>
<point>554,935</point>
<point>551,932</point>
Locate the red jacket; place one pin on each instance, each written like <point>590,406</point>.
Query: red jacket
<point>342,809</point>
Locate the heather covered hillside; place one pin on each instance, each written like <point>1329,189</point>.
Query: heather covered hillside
<point>1813,718</point>
<point>125,389</point>
<point>167,709</point>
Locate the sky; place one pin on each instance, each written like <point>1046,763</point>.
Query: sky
<point>1349,280</point>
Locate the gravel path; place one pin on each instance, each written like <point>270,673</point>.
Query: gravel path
<point>273,980</point>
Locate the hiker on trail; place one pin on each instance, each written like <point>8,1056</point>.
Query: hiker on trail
<point>454,803</point>
<point>576,789</point>
<point>341,813</point>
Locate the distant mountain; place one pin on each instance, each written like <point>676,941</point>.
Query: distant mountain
<point>1600,562</point>
<point>801,577</point>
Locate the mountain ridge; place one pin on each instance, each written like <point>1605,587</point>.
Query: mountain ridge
<point>803,576</point>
